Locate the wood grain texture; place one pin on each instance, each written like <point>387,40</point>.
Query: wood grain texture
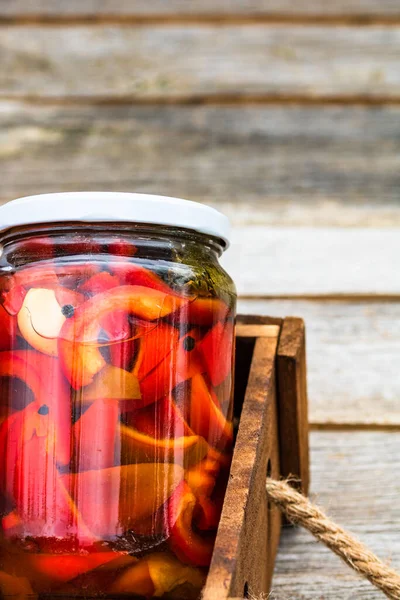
<point>354,477</point>
<point>269,165</point>
<point>293,402</point>
<point>248,533</point>
<point>199,7</point>
<point>268,331</point>
<point>156,62</point>
<point>353,353</point>
<point>314,261</point>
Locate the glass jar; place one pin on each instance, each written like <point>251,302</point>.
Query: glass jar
<point>116,364</point>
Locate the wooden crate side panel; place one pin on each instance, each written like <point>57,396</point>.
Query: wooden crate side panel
<point>292,402</point>
<point>242,544</point>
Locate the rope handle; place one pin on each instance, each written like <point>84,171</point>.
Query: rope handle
<point>300,511</point>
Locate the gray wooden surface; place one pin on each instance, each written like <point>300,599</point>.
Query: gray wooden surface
<point>265,165</point>
<point>353,352</point>
<point>202,7</point>
<point>286,115</point>
<point>315,261</point>
<point>178,62</point>
<point>354,479</point>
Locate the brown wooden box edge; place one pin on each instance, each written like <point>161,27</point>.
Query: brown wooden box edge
<point>272,438</point>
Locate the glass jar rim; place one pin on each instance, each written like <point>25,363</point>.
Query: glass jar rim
<point>113,207</point>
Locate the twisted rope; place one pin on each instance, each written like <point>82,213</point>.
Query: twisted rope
<point>300,511</point>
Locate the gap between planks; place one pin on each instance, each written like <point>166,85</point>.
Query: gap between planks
<point>388,427</point>
<point>242,99</point>
<point>317,298</point>
<point>354,20</point>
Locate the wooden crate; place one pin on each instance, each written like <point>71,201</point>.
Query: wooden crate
<point>272,439</point>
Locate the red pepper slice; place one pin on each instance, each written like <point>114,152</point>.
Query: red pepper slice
<point>53,273</point>
<point>36,276</point>
<point>188,545</point>
<point>15,587</point>
<point>200,481</point>
<point>78,348</point>
<point>112,383</point>
<point>14,364</point>
<point>14,299</point>
<point>207,514</point>
<point>37,248</point>
<point>133,274</point>
<point>121,247</point>
<point>180,365</point>
<point>65,296</point>
<point>19,427</point>
<point>31,478</point>
<point>11,524</point>
<point>80,243</point>
<point>95,436</point>
<point>55,394</point>
<point>206,418</point>
<point>42,375</point>
<point>154,346</point>
<point>158,574</point>
<point>97,581</point>
<point>216,349</point>
<point>73,275</point>
<point>111,501</point>
<point>98,283</point>
<point>47,572</point>
<point>117,327</point>
<point>160,420</point>
<point>138,447</point>
<point>135,580</point>
<point>49,275</point>
<point>207,311</point>
<point>8,330</point>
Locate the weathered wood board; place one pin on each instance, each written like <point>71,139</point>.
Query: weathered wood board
<point>355,477</point>
<point>353,353</point>
<point>284,261</point>
<point>291,8</point>
<point>152,62</point>
<point>270,165</point>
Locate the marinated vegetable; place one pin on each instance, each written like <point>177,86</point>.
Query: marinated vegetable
<point>115,424</point>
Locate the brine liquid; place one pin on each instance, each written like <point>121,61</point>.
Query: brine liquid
<point>116,430</point>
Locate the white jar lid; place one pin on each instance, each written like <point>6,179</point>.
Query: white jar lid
<point>111,207</point>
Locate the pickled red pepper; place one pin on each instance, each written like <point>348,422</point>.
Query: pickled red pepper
<point>115,433</point>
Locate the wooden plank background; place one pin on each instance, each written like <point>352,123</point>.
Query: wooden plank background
<point>176,8</point>
<point>180,62</point>
<point>286,115</point>
<point>267,165</point>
